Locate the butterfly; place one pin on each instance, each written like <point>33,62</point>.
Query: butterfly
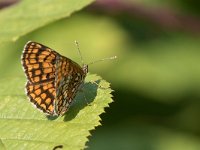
<point>53,80</point>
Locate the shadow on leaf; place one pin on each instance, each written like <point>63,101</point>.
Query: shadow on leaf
<point>83,98</point>
<point>52,117</point>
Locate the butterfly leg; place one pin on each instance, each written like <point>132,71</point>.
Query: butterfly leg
<point>97,84</point>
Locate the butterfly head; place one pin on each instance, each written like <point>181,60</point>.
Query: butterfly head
<point>85,69</point>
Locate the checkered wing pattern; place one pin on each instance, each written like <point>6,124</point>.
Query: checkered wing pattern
<point>53,80</point>
<point>39,63</point>
<point>69,77</point>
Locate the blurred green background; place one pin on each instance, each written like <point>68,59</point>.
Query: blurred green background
<point>156,78</point>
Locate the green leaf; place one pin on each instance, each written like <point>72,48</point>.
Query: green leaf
<point>24,127</point>
<point>28,15</point>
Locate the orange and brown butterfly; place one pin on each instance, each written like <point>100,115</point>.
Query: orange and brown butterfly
<point>52,79</point>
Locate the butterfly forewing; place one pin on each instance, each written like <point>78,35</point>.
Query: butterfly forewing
<point>39,63</point>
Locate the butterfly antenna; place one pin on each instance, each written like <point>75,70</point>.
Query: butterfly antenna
<point>77,45</point>
<point>109,58</point>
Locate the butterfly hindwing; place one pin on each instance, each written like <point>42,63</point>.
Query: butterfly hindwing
<point>42,96</point>
<point>69,77</point>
